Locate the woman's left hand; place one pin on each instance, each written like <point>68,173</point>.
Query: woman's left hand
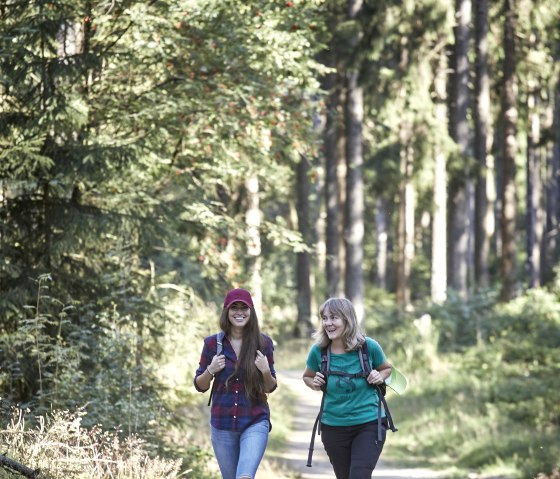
<point>262,362</point>
<point>375,377</point>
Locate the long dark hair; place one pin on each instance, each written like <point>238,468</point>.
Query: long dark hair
<point>251,342</point>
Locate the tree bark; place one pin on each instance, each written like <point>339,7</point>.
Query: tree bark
<point>460,211</point>
<point>303,324</point>
<point>253,220</point>
<point>354,221</point>
<point>552,242</point>
<point>509,147</point>
<point>439,223</point>
<point>405,235</point>
<point>484,194</point>
<point>382,222</point>
<point>534,213</point>
<point>332,199</point>
<point>354,230</point>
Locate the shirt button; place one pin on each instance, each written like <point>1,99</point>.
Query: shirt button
<point>235,404</point>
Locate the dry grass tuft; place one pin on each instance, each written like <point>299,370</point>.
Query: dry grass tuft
<point>60,448</point>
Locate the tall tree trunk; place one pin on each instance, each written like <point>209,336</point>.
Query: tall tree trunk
<point>405,236</point>
<point>341,172</point>
<point>552,242</point>
<point>461,188</point>
<point>303,324</point>
<point>253,220</point>
<point>354,221</point>
<point>439,223</point>
<point>382,222</point>
<point>332,199</point>
<point>484,194</point>
<point>534,214</point>
<point>509,112</point>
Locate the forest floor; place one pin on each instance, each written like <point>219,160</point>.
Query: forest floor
<point>294,457</point>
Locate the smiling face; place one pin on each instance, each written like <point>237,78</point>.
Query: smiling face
<point>333,324</point>
<point>239,314</point>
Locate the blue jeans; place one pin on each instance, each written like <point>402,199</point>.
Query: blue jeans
<point>239,453</point>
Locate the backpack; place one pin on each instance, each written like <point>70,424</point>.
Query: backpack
<point>363,354</point>
<point>219,347</point>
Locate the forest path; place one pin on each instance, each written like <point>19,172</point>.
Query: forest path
<point>294,457</point>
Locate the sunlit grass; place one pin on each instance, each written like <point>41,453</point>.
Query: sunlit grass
<point>281,404</point>
<point>292,355</point>
<point>449,419</point>
<point>456,416</point>
<point>281,415</point>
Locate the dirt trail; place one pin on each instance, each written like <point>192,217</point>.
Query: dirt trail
<point>295,456</point>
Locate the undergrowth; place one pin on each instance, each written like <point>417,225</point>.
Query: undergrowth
<point>61,448</point>
<point>481,402</point>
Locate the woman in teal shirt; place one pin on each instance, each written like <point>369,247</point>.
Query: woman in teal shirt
<point>349,419</point>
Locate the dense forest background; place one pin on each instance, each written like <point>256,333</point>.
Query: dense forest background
<point>154,154</point>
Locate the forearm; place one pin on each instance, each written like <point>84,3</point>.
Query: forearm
<point>269,381</point>
<point>204,380</point>
<point>313,380</point>
<point>309,383</point>
<point>385,370</point>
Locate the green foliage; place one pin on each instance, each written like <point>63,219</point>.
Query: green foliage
<point>461,323</point>
<point>129,133</point>
<point>484,376</point>
<point>54,364</point>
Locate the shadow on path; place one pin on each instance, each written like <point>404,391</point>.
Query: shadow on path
<point>294,457</point>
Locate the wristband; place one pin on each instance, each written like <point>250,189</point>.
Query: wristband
<point>213,375</point>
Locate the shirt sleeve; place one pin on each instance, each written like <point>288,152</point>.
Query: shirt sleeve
<point>376,353</point>
<point>208,352</point>
<point>314,358</point>
<point>269,353</point>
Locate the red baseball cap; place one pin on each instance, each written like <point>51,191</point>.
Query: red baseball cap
<point>238,295</point>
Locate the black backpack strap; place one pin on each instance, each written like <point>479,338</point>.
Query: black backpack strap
<point>365,363</point>
<point>316,430</point>
<point>390,422</point>
<point>381,390</point>
<point>363,354</point>
<point>219,348</point>
<point>325,361</point>
<point>324,370</point>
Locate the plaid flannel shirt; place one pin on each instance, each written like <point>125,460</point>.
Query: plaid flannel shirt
<point>231,409</point>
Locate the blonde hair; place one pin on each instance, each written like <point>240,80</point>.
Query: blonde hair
<point>353,335</point>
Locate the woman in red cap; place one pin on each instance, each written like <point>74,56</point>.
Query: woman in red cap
<point>243,375</point>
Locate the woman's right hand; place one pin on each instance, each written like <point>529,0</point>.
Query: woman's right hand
<point>318,381</point>
<point>218,363</point>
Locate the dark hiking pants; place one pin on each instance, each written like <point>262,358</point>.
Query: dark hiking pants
<point>353,450</point>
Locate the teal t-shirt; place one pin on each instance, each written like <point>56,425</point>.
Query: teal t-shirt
<point>348,401</point>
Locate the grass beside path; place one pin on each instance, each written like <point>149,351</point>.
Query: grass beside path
<point>423,448</point>
<point>291,459</point>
